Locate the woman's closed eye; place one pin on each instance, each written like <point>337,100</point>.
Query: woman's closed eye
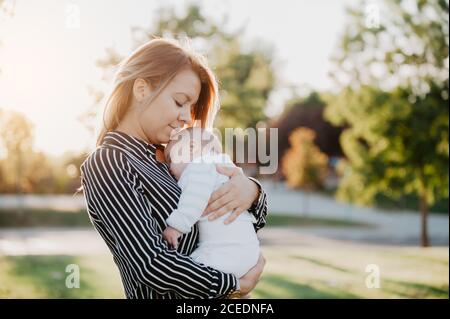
<point>181,104</point>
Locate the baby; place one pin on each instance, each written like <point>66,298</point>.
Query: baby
<point>232,248</point>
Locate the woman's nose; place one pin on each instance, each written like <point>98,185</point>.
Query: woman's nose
<point>186,116</point>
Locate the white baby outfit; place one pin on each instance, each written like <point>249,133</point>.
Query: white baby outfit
<point>232,248</point>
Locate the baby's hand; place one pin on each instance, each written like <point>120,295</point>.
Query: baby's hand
<point>171,235</point>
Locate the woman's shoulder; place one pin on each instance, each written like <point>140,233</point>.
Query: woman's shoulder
<point>104,158</point>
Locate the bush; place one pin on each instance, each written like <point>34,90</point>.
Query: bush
<point>304,165</point>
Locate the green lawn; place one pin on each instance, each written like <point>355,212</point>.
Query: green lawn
<point>279,219</point>
<point>52,218</point>
<point>45,277</point>
<point>337,270</point>
<point>312,269</point>
<point>43,218</point>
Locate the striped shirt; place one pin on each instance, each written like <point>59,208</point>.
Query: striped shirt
<point>129,195</point>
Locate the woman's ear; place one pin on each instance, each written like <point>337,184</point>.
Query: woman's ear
<point>141,89</point>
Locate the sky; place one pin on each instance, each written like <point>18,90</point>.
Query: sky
<point>49,48</point>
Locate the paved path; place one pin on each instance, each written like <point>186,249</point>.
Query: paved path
<point>51,241</point>
<point>54,202</point>
<point>389,227</point>
<point>62,241</point>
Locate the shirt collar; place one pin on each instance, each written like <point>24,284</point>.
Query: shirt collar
<point>132,144</point>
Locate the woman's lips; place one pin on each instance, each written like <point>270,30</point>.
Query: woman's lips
<point>175,130</point>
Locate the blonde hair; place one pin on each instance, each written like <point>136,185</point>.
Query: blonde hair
<point>158,62</point>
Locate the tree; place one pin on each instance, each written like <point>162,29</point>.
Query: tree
<point>39,174</point>
<point>245,75</point>
<point>16,134</point>
<point>394,101</point>
<point>247,80</point>
<point>409,47</point>
<point>304,165</point>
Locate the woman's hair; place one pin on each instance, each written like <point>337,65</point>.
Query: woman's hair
<point>157,62</point>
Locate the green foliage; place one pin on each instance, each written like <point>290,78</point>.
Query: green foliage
<point>246,81</point>
<point>410,46</point>
<point>393,146</point>
<point>246,76</point>
<point>397,137</point>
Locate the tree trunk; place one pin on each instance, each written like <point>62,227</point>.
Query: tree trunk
<point>424,215</point>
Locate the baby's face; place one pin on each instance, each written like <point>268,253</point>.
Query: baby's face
<point>185,146</point>
<point>177,169</point>
<point>180,151</point>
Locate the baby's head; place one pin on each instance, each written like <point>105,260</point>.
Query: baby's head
<point>187,145</point>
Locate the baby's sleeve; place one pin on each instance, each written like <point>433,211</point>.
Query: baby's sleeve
<point>197,184</point>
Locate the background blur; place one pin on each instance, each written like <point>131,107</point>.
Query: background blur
<point>357,89</point>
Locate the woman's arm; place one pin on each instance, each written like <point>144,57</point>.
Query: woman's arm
<point>240,193</point>
<point>259,206</point>
<point>112,187</point>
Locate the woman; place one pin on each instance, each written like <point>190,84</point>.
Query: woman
<point>159,89</point>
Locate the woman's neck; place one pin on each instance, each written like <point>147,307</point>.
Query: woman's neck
<point>130,126</point>
<point>136,131</point>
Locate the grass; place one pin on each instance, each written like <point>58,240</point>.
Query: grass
<point>332,269</point>
<point>312,269</point>
<point>45,277</point>
<point>43,218</point>
<point>301,221</point>
<point>51,218</point>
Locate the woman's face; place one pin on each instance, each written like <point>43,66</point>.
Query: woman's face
<point>171,109</point>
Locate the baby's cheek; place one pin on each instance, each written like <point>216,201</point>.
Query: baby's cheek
<point>175,170</point>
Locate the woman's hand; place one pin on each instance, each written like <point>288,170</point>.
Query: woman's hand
<point>251,278</point>
<point>236,195</point>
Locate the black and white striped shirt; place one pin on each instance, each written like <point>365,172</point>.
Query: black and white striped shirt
<point>129,196</point>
